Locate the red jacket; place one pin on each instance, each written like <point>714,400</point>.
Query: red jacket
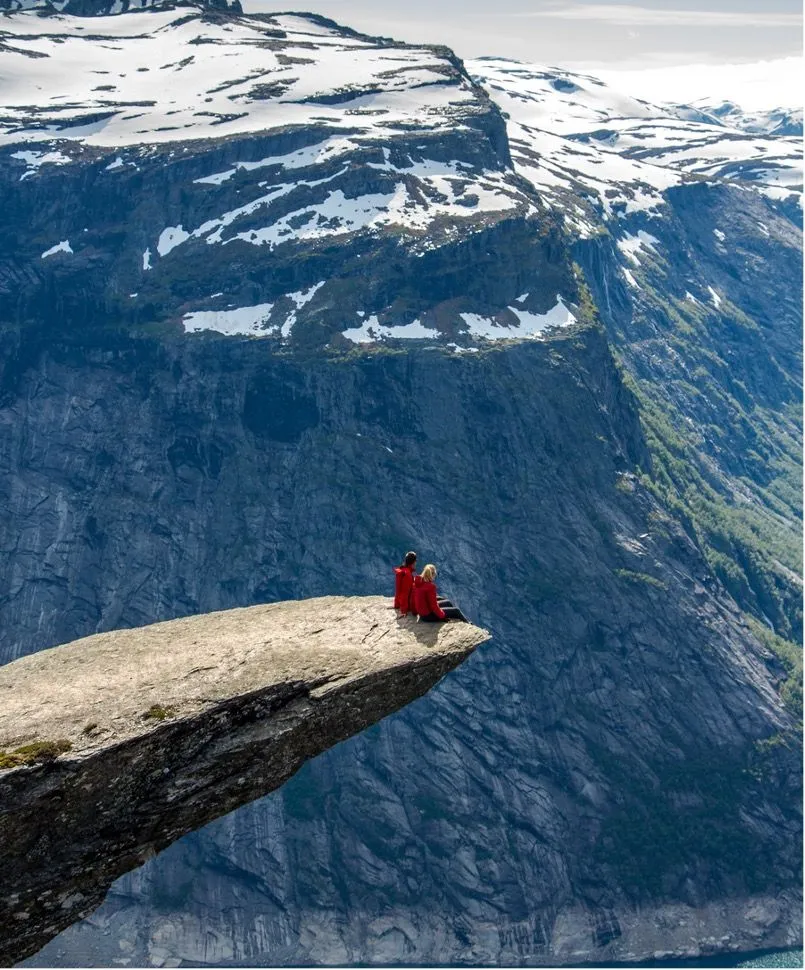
<point>403,584</point>
<point>425,599</point>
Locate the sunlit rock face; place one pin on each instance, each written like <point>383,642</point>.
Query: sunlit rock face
<point>126,741</point>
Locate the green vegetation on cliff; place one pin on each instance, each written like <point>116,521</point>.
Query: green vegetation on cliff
<point>748,531</point>
<point>33,753</point>
<point>711,351</point>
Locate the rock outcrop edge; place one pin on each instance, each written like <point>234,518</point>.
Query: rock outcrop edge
<point>118,744</point>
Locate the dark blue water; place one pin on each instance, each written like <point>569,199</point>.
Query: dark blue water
<point>770,958</point>
<point>780,958</point>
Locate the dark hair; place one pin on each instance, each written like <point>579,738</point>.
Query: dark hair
<point>410,559</point>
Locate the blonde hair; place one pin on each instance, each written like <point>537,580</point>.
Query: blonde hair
<point>429,573</point>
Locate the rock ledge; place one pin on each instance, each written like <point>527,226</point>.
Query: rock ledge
<point>166,727</point>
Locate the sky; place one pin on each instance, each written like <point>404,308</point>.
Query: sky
<point>657,42</point>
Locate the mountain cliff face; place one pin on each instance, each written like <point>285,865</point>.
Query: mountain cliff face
<point>276,176</point>
<point>616,665</point>
<point>683,225</point>
<point>371,313</point>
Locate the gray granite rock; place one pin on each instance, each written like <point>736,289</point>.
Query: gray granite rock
<point>147,734</point>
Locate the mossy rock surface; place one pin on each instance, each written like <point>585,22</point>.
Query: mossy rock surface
<point>33,753</point>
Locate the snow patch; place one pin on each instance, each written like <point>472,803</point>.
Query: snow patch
<point>413,208</point>
<point>715,297</point>
<point>719,235</point>
<point>630,245</point>
<point>147,259</point>
<point>533,324</point>
<point>217,178</point>
<point>372,331</point>
<point>170,238</point>
<point>300,298</point>
<point>245,320</point>
<point>250,320</point>
<point>117,163</point>
<point>630,279</point>
<point>529,325</point>
<point>62,247</point>
<point>34,160</point>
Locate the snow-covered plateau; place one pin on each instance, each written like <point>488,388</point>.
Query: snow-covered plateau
<point>287,133</point>
<point>573,135</point>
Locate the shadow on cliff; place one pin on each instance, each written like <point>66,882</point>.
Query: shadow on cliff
<point>426,633</point>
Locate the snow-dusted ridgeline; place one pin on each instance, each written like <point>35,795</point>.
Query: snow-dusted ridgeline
<point>573,135</point>
<point>370,138</point>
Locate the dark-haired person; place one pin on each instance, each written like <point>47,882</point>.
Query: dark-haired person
<point>427,604</point>
<point>404,583</point>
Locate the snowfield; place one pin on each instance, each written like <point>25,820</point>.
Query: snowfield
<point>516,324</point>
<point>377,123</point>
<point>573,134</point>
<point>160,75</point>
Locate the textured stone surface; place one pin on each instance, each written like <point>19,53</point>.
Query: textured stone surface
<point>175,724</point>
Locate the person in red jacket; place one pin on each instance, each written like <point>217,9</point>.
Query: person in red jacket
<point>404,583</point>
<point>427,605</point>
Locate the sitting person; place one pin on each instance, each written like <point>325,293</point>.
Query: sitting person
<point>427,605</point>
<point>404,584</point>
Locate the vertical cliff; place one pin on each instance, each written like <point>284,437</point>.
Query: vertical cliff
<point>624,703</point>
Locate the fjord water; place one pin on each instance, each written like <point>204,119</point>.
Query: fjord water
<point>770,959</point>
<point>776,958</point>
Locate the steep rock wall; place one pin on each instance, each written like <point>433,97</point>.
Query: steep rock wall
<point>708,322</point>
<point>624,703</point>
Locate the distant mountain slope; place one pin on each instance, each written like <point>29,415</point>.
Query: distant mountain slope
<point>572,133</point>
<point>773,121</point>
<point>685,231</point>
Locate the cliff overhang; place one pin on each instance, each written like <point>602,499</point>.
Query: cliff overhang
<point>114,746</point>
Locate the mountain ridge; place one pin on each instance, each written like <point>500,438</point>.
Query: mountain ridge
<point>548,351</point>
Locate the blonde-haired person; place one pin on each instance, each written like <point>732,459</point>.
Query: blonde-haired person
<point>427,604</point>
